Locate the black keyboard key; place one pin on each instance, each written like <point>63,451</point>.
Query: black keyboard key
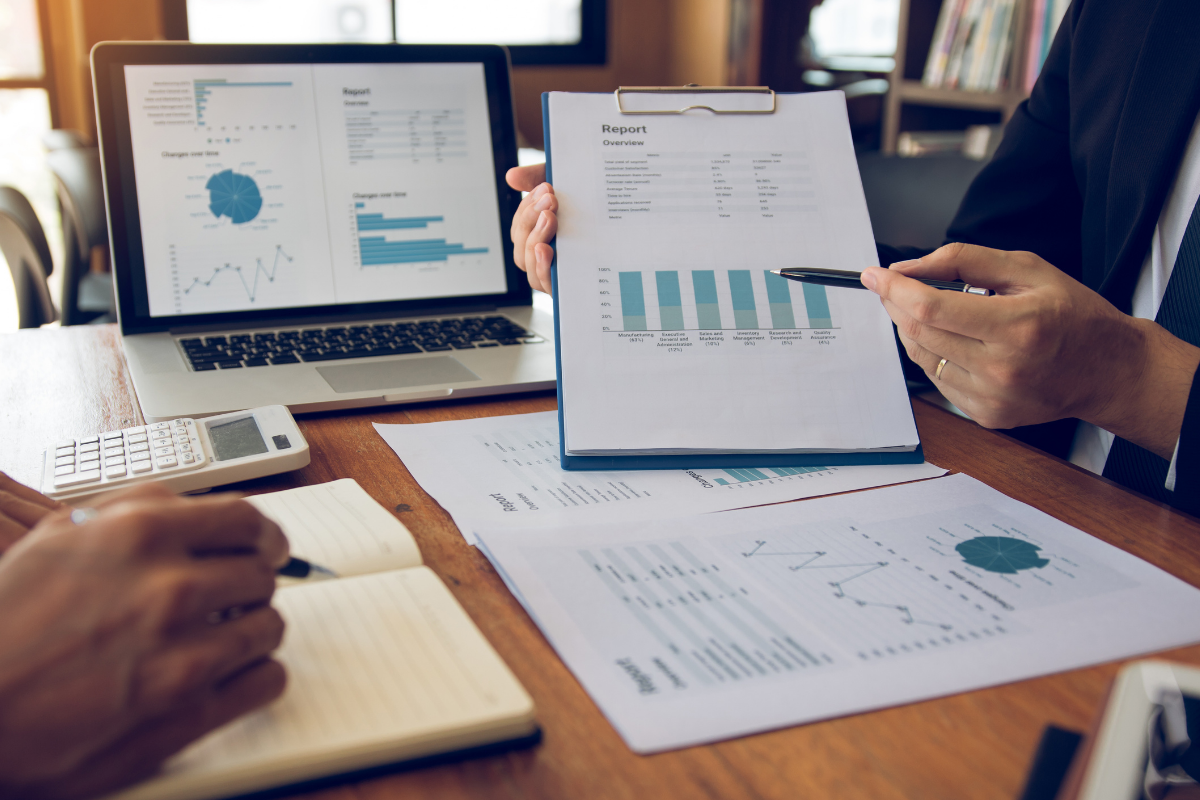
<point>256,362</point>
<point>243,338</point>
<point>462,345</point>
<point>211,340</point>
<point>229,364</point>
<point>265,337</point>
<point>487,344</point>
<point>510,341</point>
<point>203,366</point>
<point>287,358</point>
<point>429,348</point>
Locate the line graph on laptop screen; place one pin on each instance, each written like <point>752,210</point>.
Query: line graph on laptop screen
<point>282,185</point>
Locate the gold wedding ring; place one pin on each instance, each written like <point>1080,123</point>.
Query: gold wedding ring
<point>941,366</point>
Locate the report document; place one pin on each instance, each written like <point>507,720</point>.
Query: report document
<point>674,336</point>
<point>708,627</point>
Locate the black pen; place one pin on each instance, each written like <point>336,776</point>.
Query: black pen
<point>848,279</point>
<point>299,568</point>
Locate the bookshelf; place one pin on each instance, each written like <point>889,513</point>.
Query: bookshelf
<point>911,105</point>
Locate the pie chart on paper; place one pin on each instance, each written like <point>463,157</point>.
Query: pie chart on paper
<point>234,195</point>
<point>1002,554</point>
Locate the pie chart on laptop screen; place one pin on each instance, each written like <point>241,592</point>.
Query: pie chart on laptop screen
<point>234,195</point>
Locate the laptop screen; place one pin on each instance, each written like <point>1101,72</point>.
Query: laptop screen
<point>272,186</point>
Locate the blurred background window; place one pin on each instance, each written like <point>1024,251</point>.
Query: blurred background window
<point>276,21</point>
<point>855,27</point>
<point>538,31</point>
<point>488,21</point>
<point>26,115</point>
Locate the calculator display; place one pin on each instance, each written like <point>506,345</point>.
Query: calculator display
<point>237,439</point>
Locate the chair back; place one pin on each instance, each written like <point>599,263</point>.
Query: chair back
<point>23,243</point>
<point>81,196</point>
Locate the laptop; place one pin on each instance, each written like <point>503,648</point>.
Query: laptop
<point>317,226</point>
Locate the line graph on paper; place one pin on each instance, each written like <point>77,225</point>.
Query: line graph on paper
<point>876,599</point>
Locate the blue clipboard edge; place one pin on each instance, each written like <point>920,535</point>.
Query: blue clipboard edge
<point>607,463</point>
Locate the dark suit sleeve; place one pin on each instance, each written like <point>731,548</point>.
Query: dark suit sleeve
<point>1187,460</point>
<point>1027,197</point>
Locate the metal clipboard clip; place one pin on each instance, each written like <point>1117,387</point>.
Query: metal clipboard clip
<point>693,89</point>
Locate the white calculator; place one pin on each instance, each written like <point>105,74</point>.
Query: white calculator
<point>186,455</point>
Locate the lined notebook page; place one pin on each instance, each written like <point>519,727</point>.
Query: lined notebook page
<point>340,526</point>
<point>379,667</point>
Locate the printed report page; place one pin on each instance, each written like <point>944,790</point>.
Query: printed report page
<point>276,186</point>
<point>673,333</point>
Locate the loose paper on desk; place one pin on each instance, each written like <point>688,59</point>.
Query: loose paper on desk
<point>674,335</point>
<point>502,472</point>
<point>693,630</point>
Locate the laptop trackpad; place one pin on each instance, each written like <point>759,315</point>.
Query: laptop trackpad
<point>395,374</point>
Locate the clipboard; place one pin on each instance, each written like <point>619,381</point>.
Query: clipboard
<point>756,100</point>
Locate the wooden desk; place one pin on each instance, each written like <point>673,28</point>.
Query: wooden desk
<point>59,383</point>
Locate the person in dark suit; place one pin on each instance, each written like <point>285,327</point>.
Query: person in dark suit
<point>1083,223</point>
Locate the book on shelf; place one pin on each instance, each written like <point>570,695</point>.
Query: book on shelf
<point>972,46</point>
<point>974,42</point>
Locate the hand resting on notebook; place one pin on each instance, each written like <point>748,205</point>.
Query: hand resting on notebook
<point>128,635</point>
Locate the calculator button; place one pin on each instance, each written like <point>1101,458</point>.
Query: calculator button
<point>185,447</point>
<point>144,455</point>
<point>139,447</point>
<point>111,435</point>
<point>66,443</point>
<point>77,478</point>
<point>136,438</point>
<point>89,440</point>
<point>164,451</point>
<point>116,471</point>
<point>90,447</point>
<point>65,451</point>
<point>113,462</point>
<point>167,461</point>
<point>65,469</point>
<point>64,460</point>
<point>116,450</point>
<point>160,426</point>
<point>138,431</point>
<point>141,466</point>
<point>157,435</point>
<point>92,456</point>
<point>187,458</point>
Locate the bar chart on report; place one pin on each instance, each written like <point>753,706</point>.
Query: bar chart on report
<point>710,300</point>
<point>385,240</point>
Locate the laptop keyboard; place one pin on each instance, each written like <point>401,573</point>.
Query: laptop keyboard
<point>352,341</point>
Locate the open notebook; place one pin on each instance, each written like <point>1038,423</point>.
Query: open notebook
<point>383,664</point>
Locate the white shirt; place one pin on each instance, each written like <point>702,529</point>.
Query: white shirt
<point>1091,445</point>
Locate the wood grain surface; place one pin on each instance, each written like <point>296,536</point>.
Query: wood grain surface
<point>975,745</point>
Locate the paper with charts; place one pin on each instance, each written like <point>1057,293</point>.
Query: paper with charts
<point>503,472</point>
<point>674,335</point>
<point>693,630</point>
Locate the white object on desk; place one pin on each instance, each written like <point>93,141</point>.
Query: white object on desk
<point>503,472</point>
<point>185,455</point>
<point>702,628</point>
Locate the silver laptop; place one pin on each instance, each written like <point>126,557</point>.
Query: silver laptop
<point>318,226</point>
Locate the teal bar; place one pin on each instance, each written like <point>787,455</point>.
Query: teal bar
<point>758,476</point>
<point>708,313</point>
<point>744,314</point>
<point>780,298</point>
<point>633,301</point>
<point>817,303</point>
<point>722,482</point>
<point>670,304</point>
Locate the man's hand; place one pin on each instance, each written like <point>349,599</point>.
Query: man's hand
<point>534,224</point>
<point>1045,348</point>
<point>126,637</point>
<point>20,509</point>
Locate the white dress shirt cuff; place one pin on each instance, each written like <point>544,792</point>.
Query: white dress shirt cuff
<point>1170,484</point>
